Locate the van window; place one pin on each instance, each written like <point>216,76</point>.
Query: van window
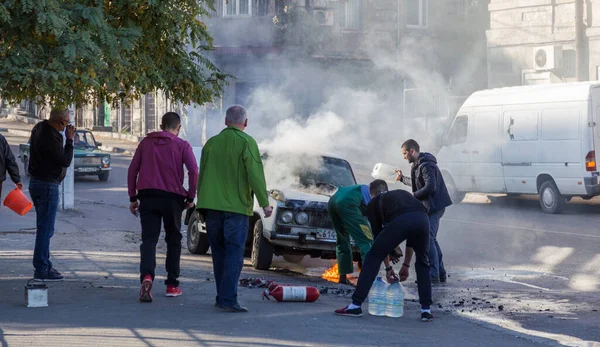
<point>521,125</point>
<point>458,132</point>
<point>560,124</point>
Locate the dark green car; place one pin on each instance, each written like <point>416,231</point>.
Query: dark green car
<point>88,161</point>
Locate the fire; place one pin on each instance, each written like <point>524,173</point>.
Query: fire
<point>331,274</point>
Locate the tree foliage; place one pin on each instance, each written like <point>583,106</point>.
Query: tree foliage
<point>79,51</point>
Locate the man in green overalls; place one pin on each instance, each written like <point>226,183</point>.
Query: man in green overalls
<point>347,208</point>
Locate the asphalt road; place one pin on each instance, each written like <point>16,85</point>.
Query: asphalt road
<point>492,245</point>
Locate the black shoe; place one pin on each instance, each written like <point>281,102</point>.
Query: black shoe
<point>234,308</point>
<point>355,312</point>
<point>48,276</point>
<point>443,278</point>
<point>55,272</point>
<point>426,317</point>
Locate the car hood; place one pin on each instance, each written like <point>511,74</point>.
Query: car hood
<point>80,152</point>
<point>296,194</point>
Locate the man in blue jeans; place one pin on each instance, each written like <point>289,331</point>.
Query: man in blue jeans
<point>48,163</point>
<point>428,186</point>
<point>231,172</point>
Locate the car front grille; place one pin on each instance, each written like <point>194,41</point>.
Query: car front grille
<point>320,219</point>
<point>87,161</point>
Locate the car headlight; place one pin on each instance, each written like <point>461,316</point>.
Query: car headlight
<point>105,160</point>
<point>286,217</point>
<point>302,218</point>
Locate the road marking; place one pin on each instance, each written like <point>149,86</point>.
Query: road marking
<point>521,228</point>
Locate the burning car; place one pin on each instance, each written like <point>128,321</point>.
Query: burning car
<point>300,185</point>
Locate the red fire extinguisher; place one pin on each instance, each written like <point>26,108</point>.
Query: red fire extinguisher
<point>292,293</point>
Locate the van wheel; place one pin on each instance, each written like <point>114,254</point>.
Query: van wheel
<point>197,241</point>
<point>262,252</point>
<point>456,196</point>
<point>551,200</point>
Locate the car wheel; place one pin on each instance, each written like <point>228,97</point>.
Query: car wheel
<point>293,258</point>
<point>551,200</point>
<point>456,196</point>
<point>197,241</point>
<point>262,252</point>
<point>103,176</point>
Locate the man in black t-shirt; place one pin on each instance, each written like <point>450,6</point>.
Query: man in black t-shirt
<point>394,217</point>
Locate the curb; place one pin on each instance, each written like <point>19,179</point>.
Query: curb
<point>23,133</point>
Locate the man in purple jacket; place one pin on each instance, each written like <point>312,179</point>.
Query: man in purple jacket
<point>156,192</point>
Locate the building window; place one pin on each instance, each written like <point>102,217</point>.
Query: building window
<point>417,13</point>
<point>237,8</point>
<point>352,14</point>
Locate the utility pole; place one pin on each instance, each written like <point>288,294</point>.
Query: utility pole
<point>581,58</point>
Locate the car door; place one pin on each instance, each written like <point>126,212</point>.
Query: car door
<point>485,144</point>
<point>455,157</point>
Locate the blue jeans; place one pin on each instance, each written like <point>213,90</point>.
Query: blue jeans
<point>44,196</point>
<point>435,252</point>
<point>227,238</point>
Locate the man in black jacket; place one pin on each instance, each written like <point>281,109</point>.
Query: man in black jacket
<point>428,186</point>
<point>395,216</point>
<point>48,163</point>
<point>8,164</point>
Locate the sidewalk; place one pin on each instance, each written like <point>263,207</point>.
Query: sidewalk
<point>96,248</point>
<point>109,144</point>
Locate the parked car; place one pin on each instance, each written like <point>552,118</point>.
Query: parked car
<point>89,160</point>
<point>299,190</point>
<point>526,140</point>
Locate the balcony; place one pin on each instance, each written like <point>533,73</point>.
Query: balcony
<point>241,31</point>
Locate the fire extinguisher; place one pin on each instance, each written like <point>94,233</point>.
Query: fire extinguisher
<point>292,293</point>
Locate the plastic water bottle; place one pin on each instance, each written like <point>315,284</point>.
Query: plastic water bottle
<point>394,300</point>
<point>377,298</point>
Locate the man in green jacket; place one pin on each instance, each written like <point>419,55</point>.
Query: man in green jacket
<point>347,209</point>
<point>231,172</point>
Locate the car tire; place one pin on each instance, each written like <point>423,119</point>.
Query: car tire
<point>262,252</point>
<point>293,258</point>
<point>26,166</point>
<point>551,200</point>
<point>197,241</point>
<point>103,176</point>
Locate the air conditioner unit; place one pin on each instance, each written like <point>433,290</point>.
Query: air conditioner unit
<point>324,17</point>
<point>547,58</point>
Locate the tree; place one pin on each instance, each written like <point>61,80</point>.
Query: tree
<point>79,51</point>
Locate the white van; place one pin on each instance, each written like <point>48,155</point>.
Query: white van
<point>526,140</point>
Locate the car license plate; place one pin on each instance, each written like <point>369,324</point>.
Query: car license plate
<point>326,234</point>
<point>87,169</point>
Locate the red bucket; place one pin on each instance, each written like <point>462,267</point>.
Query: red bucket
<point>18,202</point>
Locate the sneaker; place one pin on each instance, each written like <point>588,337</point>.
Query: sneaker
<point>426,317</point>
<point>173,291</point>
<point>355,312</point>
<point>48,276</point>
<point>55,272</point>
<point>146,289</point>
<point>234,308</point>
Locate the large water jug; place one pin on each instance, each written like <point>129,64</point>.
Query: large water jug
<point>377,298</point>
<point>394,296</point>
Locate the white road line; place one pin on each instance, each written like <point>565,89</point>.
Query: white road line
<point>520,228</point>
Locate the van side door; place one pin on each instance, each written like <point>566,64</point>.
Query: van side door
<point>521,150</point>
<point>455,157</point>
<point>485,144</point>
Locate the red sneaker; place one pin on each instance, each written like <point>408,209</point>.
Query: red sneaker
<point>146,289</point>
<point>173,291</point>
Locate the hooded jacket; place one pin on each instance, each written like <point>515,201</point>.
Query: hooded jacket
<point>157,166</point>
<point>428,184</point>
